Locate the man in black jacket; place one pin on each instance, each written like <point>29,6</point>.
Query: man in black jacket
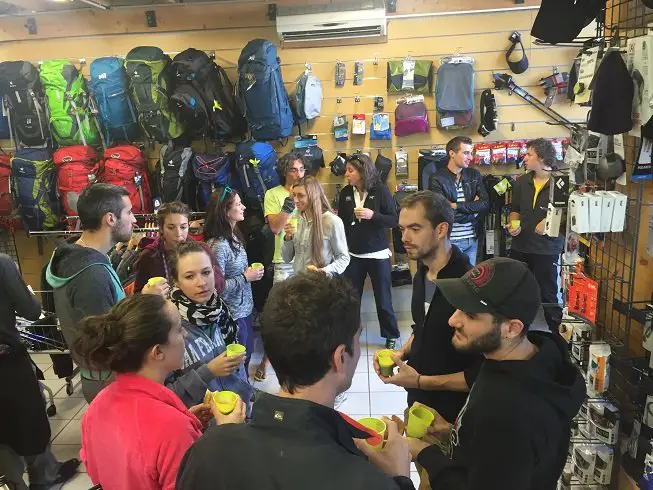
<point>464,188</point>
<point>436,374</point>
<point>513,432</point>
<point>310,330</point>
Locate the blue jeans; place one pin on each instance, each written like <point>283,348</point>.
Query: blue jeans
<point>246,336</point>
<point>468,246</point>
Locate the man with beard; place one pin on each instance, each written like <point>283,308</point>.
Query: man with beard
<point>436,374</point>
<point>83,281</point>
<point>513,432</point>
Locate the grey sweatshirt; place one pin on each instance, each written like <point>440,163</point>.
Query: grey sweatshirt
<point>335,252</point>
<point>16,299</point>
<point>237,291</point>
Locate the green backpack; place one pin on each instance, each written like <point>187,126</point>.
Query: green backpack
<point>72,121</point>
<point>422,79</point>
<point>147,68</point>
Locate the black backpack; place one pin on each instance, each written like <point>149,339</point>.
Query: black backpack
<point>174,173</point>
<point>20,88</point>
<point>204,96</point>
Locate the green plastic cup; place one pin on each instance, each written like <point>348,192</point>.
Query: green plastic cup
<point>293,222</point>
<point>419,420</point>
<point>257,265</point>
<point>378,426</point>
<point>385,362</point>
<point>225,401</point>
<point>235,349</point>
<point>515,223</point>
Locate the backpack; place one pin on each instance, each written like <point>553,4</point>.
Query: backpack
<point>6,203</point>
<point>210,172</point>
<point>429,162</point>
<point>308,97</point>
<point>204,96</point>
<point>66,94</point>
<point>398,78</point>
<point>22,93</point>
<point>174,173</point>
<point>5,134</point>
<point>77,168</point>
<point>255,164</point>
<point>260,85</point>
<point>147,69</point>
<point>126,167</point>
<point>109,87</point>
<point>411,118</point>
<point>34,185</point>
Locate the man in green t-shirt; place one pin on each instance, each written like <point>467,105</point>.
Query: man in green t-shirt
<point>279,207</point>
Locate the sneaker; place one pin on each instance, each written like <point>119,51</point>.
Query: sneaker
<point>340,399</point>
<point>390,343</point>
<point>67,470</point>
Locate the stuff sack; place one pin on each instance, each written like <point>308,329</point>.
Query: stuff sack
<point>109,88</point>
<point>77,168</point>
<point>260,85</point>
<point>34,186</point>
<point>69,104</point>
<point>411,117</point>
<point>22,93</point>
<point>255,164</point>
<point>308,97</point>
<point>174,173</point>
<point>415,76</point>
<point>204,97</point>
<point>147,69</point>
<point>210,172</point>
<point>125,166</point>
<point>454,95</point>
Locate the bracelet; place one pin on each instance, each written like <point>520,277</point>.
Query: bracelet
<point>418,377</point>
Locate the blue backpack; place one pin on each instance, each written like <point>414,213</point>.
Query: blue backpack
<point>256,166</point>
<point>260,85</point>
<point>211,172</point>
<point>34,185</point>
<point>109,87</point>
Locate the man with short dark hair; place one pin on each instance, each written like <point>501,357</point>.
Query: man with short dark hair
<point>465,190</point>
<point>513,432</point>
<point>530,201</point>
<point>83,281</point>
<point>436,374</point>
<point>310,330</point>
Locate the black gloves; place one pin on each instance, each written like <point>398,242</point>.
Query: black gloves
<point>288,205</point>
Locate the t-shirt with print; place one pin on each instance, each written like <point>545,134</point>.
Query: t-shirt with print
<point>272,205</point>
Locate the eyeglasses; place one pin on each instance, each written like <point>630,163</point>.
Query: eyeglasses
<point>227,190</point>
<point>297,170</point>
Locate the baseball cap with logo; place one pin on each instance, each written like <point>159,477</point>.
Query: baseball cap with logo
<point>500,285</point>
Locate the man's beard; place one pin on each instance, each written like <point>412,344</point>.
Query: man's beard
<point>118,235</point>
<point>489,342</point>
<point>425,254</point>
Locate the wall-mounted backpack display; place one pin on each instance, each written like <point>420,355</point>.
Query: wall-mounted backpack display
<point>429,162</point>
<point>109,87</point>
<point>383,166</point>
<point>6,201</point>
<point>409,75</point>
<point>306,146</point>
<point>260,86</point>
<point>411,116</point>
<point>69,104</point>
<point>126,167</point>
<point>77,168</point>
<point>174,173</point>
<point>5,134</point>
<point>147,69</point>
<point>454,95</point>
<point>210,172</point>
<point>381,129</point>
<point>22,92</point>
<point>34,185</point>
<point>256,165</point>
<point>308,97</point>
<point>339,165</point>
<point>204,97</point>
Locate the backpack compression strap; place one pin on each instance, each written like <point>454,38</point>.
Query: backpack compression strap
<point>489,114</point>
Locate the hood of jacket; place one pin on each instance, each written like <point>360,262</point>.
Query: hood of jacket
<point>68,261</point>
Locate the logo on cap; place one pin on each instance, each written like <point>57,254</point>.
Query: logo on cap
<point>481,275</point>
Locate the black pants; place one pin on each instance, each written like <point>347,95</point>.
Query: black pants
<point>379,271</point>
<point>545,269</point>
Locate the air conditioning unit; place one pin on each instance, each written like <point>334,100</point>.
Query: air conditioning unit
<point>333,24</point>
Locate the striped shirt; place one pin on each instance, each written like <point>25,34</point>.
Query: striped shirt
<point>461,231</point>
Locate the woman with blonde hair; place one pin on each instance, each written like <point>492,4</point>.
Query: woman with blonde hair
<point>319,240</point>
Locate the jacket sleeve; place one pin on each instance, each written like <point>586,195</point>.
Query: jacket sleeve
<point>475,207</point>
<point>143,269</point>
<point>179,437</point>
<point>343,212</point>
<point>515,205</point>
<point>436,186</point>
<point>190,386</point>
<point>231,284</point>
<point>339,249</point>
<point>492,445</point>
<point>24,302</point>
<point>386,216</point>
<point>288,250</point>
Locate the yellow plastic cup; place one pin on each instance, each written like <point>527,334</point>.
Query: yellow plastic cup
<point>293,223</point>
<point>419,420</point>
<point>153,280</point>
<point>385,362</point>
<point>225,401</point>
<point>257,265</point>
<point>235,349</point>
<point>378,426</point>
<point>514,224</point>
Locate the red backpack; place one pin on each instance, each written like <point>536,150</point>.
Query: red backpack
<point>126,167</point>
<point>8,218</point>
<point>77,168</point>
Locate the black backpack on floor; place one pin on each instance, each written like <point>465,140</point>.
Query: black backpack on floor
<point>204,96</point>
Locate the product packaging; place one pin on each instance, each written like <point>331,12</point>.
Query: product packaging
<point>598,369</point>
<point>603,465</point>
<point>358,124</point>
<point>604,421</point>
<point>583,295</point>
<point>498,152</point>
<point>581,336</point>
<point>512,152</point>
<point>595,208</point>
<point>584,460</point>
<point>607,207</point>
<point>482,154</point>
<point>619,211</point>
<point>579,212</point>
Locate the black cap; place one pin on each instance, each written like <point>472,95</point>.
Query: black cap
<point>500,285</point>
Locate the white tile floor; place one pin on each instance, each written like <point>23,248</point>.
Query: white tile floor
<point>367,395</point>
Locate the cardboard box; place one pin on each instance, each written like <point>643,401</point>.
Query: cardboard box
<point>596,206</point>
<point>579,214</point>
<point>553,219</point>
<point>607,206</point>
<point>619,211</point>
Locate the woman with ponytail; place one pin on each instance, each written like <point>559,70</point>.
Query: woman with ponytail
<point>136,431</point>
<point>319,242</point>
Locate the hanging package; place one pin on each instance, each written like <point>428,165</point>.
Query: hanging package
<point>454,95</point>
<point>411,116</point>
<point>410,75</point>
